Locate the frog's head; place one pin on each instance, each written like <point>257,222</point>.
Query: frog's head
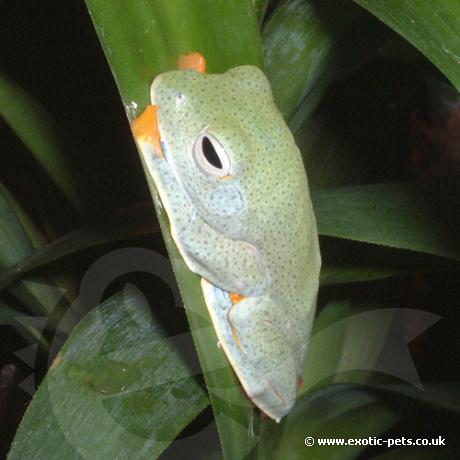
<point>218,133</point>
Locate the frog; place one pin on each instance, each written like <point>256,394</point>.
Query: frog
<point>232,181</point>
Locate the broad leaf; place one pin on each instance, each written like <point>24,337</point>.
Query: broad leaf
<point>141,39</point>
<point>118,376</point>
<point>430,27</point>
<point>335,411</point>
<point>441,396</point>
<point>338,274</point>
<point>396,215</point>
<point>145,38</point>
<point>37,294</point>
<point>26,325</point>
<point>260,7</point>
<point>39,133</point>
<point>307,44</point>
<point>128,226</point>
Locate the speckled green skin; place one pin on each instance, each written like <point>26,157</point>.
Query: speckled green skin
<point>253,233</point>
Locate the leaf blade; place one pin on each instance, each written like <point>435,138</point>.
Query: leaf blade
<point>394,215</point>
<point>430,28</point>
<point>116,365</point>
<point>34,126</point>
<point>308,44</point>
<point>141,41</point>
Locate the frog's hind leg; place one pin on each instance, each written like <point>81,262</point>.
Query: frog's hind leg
<point>258,352</point>
<point>267,352</point>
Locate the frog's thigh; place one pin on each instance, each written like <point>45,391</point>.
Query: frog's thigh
<point>268,352</point>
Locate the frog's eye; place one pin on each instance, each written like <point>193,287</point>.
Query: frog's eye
<point>210,155</point>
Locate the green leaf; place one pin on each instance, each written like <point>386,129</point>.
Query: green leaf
<point>117,389</point>
<point>34,126</point>
<point>441,396</point>
<point>145,38</point>
<point>396,215</point>
<point>307,44</point>
<point>15,246</point>
<point>14,242</point>
<point>130,225</point>
<point>347,411</point>
<point>25,325</point>
<point>141,39</point>
<point>334,411</point>
<point>260,6</point>
<point>345,337</point>
<point>356,341</point>
<point>338,274</point>
<point>35,236</point>
<point>430,27</point>
<point>297,49</point>
<point>347,261</point>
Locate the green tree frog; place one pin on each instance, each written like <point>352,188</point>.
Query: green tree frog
<point>233,184</point>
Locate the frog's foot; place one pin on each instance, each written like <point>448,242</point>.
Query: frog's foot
<point>236,298</point>
<point>145,129</point>
<point>192,61</point>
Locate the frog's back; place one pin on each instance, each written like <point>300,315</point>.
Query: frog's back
<point>280,223</point>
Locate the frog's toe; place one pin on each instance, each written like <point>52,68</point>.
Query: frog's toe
<point>192,61</point>
<point>145,128</point>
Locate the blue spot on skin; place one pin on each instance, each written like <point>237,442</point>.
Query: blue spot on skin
<point>226,200</point>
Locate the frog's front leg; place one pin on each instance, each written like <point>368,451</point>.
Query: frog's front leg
<point>233,265</point>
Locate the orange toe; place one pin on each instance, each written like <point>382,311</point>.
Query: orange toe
<point>145,128</point>
<point>192,61</point>
<point>236,298</point>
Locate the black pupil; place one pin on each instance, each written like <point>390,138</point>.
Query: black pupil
<point>210,153</point>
